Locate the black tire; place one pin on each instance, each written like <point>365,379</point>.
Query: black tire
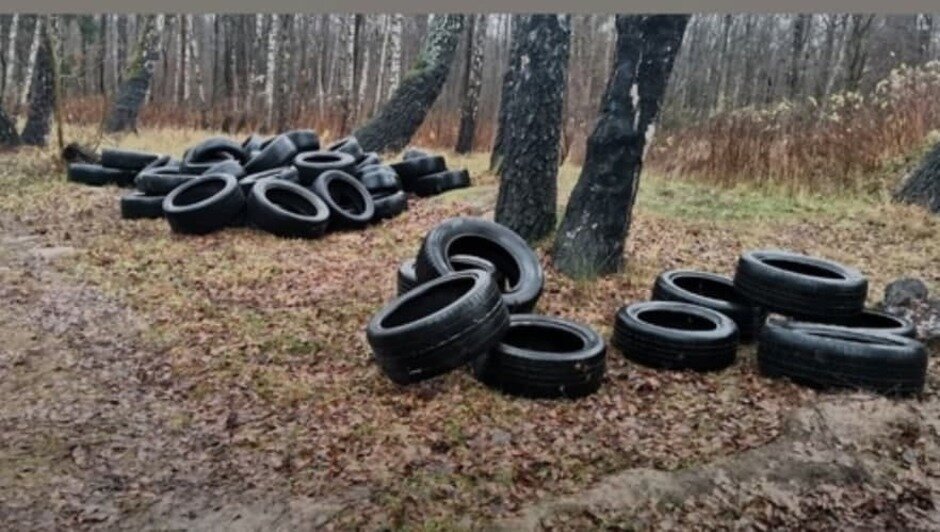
<point>279,152</point>
<point>348,145</point>
<point>800,286</point>
<point>871,322</point>
<point>438,327</point>
<point>160,162</point>
<point>380,181</point>
<point>139,205</point>
<point>544,357</point>
<point>411,169</point>
<point>313,163</point>
<point>216,148</point>
<point>160,182</point>
<point>127,159</point>
<point>369,159</point>
<point>415,153</point>
<point>189,166</point>
<point>284,173</point>
<point>97,175</point>
<point>350,204</point>
<point>712,291</point>
<point>389,206</point>
<point>230,167</point>
<point>253,143</point>
<point>204,204</point>
<point>434,184</point>
<point>501,246</point>
<point>407,279</point>
<point>825,357</point>
<point>304,139</point>
<point>287,209</point>
<point>672,335</point>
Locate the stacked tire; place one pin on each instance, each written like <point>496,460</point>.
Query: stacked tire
<point>426,175</point>
<point>466,299</point>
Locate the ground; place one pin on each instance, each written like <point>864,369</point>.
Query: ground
<point>224,381</point>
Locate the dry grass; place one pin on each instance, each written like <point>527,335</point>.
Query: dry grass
<point>271,331</point>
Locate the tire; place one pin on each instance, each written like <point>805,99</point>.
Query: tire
<point>411,169</point>
<point>313,163</point>
<point>350,204</point>
<point>287,209</point>
<point>381,181</point>
<point>844,358</point>
<point>671,335</point>
<point>189,166</point>
<point>712,291</point>
<point>160,162</point>
<point>415,153</point>
<point>139,205</point>
<point>216,148</point>
<point>369,159</point>
<point>284,173</point>
<point>348,145</point>
<point>205,204</point>
<point>800,286</point>
<point>438,327</point>
<point>127,159</point>
<point>97,175</point>
<point>544,357</point>
<point>160,182</point>
<point>434,184</point>
<point>513,258</point>
<point>407,278</point>
<point>304,139</point>
<point>279,152</point>
<point>389,206</point>
<point>230,167</point>
<point>869,322</point>
<point>252,144</point>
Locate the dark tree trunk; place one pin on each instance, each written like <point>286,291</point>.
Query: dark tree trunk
<point>472,82</point>
<point>400,117</point>
<point>528,192</point>
<point>41,94</point>
<point>133,91</point>
<point>923,186</point>
<point>8,136</point>
<point>505,100</point>
<point>591,238</point>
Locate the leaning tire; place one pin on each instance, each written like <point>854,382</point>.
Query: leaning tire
<point>284,173</point>
<point>870,322</point>
<point>280,151</point>
<point>215,148</point>
<point>544,357</point>
<point>350,204</point>
<point>313,163</point>
<point>127,159</point>
<point>139,205</point>
<point>204,204</point>
<point>671,335</point>
<point>800,286</point>
<point>287,209</point>
<point>501,246</point>
<point>230,167</point>
<point>712,291</point>
<point>411,169</point>
<point>407,278</point>
<point>97,175</point>
<point>833,357</point>
<point>434,184</point>
<point>389,206</point>
<point>438,327</point>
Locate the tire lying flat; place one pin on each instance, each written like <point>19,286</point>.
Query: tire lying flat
<point>389,205</point>
<point>821,356</point>
<point>411,169</point>
<point>438,327</point>
<point>138,205</point>
<point>544,357</point>
<point>348,145</point>
<point>160,181</point>
<point>671,335</point>
<point>98,176</point>
<point>205,204</point>
<point>870,321</point>
<point>712,291</point>
<point>127,159</point>
<point>287,209</point>
<point>313,163</point>
<point>434,184</point>
<point>800,286</point>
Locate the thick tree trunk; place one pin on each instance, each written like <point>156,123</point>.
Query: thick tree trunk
<point>11,57</point>
<point>41,93</point>
<point>472,82</point>
<point>131,95</point>
<point>591,238</point>
<point>394,52</point>
<point>506,93</point>
<point>23,95</point>
<point>8,136</point>
<point>399,119</point>
<point>923,185</point>
<point>528,192</point>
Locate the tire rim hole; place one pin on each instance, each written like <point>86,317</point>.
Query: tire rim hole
<point>291,202</point>
<point>543,339</point>
<point>671,319</point>
<point>490,251</point>
<point>199,192</point>
<point>802,268</point>
<point>346,197</point>
<point>709,288</point>
<point>425,303</point>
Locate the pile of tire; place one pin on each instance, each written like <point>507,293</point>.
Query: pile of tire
<point>467,299</point>
<point>818,332</point>
<point>286,184</point>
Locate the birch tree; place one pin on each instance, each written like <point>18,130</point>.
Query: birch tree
<point>394,53</point>
<point>30,63</point>
<point>590,240</point>
<point>472,82</point>
<point>133,91</point>
<point>11,57</point>
<point>41,95</point>
<point>195,61</point>
<point>271,71</point>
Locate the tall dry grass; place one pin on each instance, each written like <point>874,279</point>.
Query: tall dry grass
<point>843,141</point>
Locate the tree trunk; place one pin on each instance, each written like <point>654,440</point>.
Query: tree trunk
<point>271,72</point>
<point>506,93</point>
<point>182,91</point>
<point>399,119</point>
<point>41,93</point>
<point>923,185</point>
<point>383,60</point>
<point>131,95</point>
<point>195,61</point>
<point>591,238</point>
<point>30,64</point>
<point>8,136</point>
<point>11,57</point>
<point>800,33</point>
<point>528,192</point>
<point>472,82</point>
<point>857,51</point>
<point>394,53</point>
